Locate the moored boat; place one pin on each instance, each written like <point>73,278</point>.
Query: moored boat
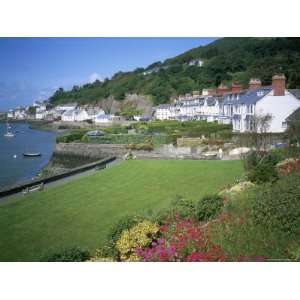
<point>8,132</point>
<point>32,154</point>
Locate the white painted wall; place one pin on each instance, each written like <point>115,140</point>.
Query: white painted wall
<point>280,107</point>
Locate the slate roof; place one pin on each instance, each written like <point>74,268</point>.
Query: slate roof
<point>249,97</point>
<point>295,92</point>
<point>103,117</point>
<point>211,101</point>
<point>295,116</point>
<point>164,106</point>
<point>70,113</point>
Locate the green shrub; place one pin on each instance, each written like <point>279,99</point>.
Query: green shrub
<point>294,252</point>
<point>209,207</point>
<point>182,207</point>
<point>145,147</point>
<point>263,173</point>
<point>277,205</point>
<point>75,254</point>
<point>116,130</point>
<point>131,139</point>
<point>261,166</point>
<point>74,136</point>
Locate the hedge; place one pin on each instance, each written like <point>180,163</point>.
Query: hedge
<point>130,139</point>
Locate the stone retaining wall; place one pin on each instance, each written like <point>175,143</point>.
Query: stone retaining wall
<point>119,150</point>
<point>91,150</point>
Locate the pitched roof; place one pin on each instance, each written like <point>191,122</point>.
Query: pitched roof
<point>248,97</point>
<point>164,106</point>
<point>295,92</point>
<point>211,101</point>
<point>295,116</point>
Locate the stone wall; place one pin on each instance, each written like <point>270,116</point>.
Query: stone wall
<point>91,150</point>
<point>119,150</point>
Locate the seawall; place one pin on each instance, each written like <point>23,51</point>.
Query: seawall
<point>119,150</point>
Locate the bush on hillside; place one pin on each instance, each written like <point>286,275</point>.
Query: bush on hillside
<point>261,166</point>
<point>142,146</point>
<point>277,205</point>
<point>74,136</point>
<point>73,254</point>
<point>116,130</point>
<point>130,139</point>
<point>182,207</point>
<point>209,207</point>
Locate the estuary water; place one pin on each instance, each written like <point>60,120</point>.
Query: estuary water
<point>14,168</point>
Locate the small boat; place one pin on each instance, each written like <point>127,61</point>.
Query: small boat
<point>8,132</point>
<point>29,154</point>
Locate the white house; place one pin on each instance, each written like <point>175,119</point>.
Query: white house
<point>166,112</point>
<point>94,112</point>
<point>39,106</point>
<point>41,114</point>
<point>75,115</point>
<point>66,107</point>
<point>191,107</point>
<point>20,113</point>
<point>276,101</point>
<point>103,118</point>
<point>196,62</point>
<point>11,114</point>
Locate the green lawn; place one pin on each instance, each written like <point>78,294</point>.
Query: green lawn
<point>81,212</point>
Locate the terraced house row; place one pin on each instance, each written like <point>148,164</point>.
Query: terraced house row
<point>236,105</point>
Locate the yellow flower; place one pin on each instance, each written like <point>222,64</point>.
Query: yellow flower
<point>141,235</point>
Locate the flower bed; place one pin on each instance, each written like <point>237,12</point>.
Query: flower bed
<point>288,166</point>
<point>181,240</point>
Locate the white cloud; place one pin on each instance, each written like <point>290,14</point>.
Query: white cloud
<point>94,76</point>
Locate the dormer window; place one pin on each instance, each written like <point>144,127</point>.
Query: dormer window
<point>260,93</point>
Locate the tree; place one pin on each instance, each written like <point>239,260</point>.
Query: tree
<point>260,125</point>
<point>292,133</point>
<point>32,110</point>
<point>129,110</point>
<point>107,104</point>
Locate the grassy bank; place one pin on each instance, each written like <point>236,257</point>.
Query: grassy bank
<point>81,212</point>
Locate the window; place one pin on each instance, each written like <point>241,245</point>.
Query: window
<point>284,125</point>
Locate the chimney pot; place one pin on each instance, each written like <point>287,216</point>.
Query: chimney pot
<point>278,85</point>
<point>236,88</point>
<point>222,89</point>
<point>254,84</point>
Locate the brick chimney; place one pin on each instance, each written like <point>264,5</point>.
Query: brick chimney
<point>222,89</point>
<point>254,84</point>
<point>236,88</point>
<point>208,92</point>
<point>278,85</point>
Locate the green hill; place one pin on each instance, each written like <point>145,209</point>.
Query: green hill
<point>224,60</point>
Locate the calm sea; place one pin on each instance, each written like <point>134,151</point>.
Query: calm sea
<point>17,170</point>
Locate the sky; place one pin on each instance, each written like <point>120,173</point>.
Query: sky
<point>33,68</point>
